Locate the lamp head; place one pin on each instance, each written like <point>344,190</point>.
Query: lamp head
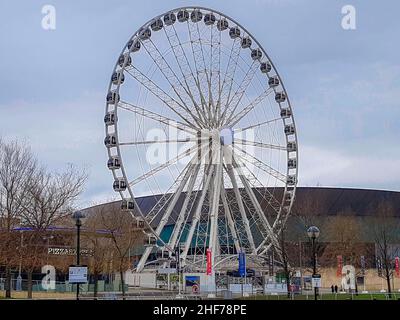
<point>78,215</point>
<point>313,232</point>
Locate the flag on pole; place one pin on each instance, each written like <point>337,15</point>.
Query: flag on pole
<point>209,266</point>
<point>339,266</point>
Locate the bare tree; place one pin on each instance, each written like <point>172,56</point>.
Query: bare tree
<point>125,234</point>
<point>344,232</point>
<point>286,257</point>
<point>17,166</point>
<point>49,198</point>
<point>100,245</point>
<point>385,231</point>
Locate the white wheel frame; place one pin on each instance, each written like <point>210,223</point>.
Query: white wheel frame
<point>239,205</point>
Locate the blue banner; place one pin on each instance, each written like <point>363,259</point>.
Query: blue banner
<point>242,264</point>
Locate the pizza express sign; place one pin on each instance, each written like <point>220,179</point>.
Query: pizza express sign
<point>69,252</point>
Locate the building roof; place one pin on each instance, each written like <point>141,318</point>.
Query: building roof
<point>325,201</point>
<point>324,205</point>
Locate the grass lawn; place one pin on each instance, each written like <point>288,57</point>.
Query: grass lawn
<point>39,295</point>
<point>328,296</point>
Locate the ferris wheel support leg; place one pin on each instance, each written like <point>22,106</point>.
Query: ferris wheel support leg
<point>165,217</point>
<point>197,213</point>
<point>257,206</point>
<point>230,220</point>
<point>242,210</point>
<point>264,251</point>
<point>214,208</point>
<point>181,218</point>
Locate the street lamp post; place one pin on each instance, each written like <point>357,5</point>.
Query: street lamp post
<point>313,233</point>
<point>78,216</point>
<point>48,238</point>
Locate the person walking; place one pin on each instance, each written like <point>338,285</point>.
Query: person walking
<point>336,288</point>
<point>332,288</point>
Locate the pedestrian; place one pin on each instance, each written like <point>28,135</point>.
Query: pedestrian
<point>332,288</point>
<point>336,288</point>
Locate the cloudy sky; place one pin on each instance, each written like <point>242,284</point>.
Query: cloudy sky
<point>344,85</point>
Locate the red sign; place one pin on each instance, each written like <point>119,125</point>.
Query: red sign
<point>339,266</point>
<point>209,261</point>
<point>397,268</point>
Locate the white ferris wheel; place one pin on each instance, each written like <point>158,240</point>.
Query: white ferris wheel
<point>199,122</point>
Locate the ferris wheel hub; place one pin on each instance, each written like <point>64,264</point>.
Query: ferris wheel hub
<point>226,136</point>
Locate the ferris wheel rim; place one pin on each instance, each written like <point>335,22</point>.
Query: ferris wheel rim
<point>124,175</point>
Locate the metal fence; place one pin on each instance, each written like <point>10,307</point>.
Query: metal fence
<point>61,286</point>
<point>112,291</point>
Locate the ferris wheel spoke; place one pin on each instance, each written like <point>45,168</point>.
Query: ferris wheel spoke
<point>229,218</point>
<point>184,209</point>
<point>210,103</point>
<point>174,200</point>
<point>159,93</point>
<point>197,213</point>
<point>196,76</point>
<point>199,184</point>
<point>215,69</point>
<point>163,201</point>
<point>227,83</point>
<point>159,206</point>
<point>259,144</point>
<point>242,210</point>
<point>201,69</point>
<point>253,217</point>
<point>261,165</point>
<point>257,125</point>
<point>163,166</point>
<point>156,117</point>
<point>232,105</point>
<point>265,244</point>
<point>236,118</point>
<point>166,215</point>
<point>262,249</point>
<point>235,211</point>
<point>135,143</point>
<point>169,74</point>
<point>264,226</point>
<point>268,197</point>
<point>192,86</point>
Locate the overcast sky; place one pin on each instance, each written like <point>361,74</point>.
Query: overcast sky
<point>343,84</point>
